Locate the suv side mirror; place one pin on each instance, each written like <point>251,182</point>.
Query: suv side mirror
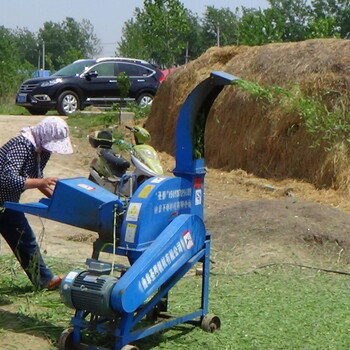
<point>91,74</point>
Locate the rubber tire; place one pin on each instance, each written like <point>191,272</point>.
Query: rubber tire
<point>65,341</point>
<point>68,102</point>
<point>130,347</point>
<point>36,111</point>
<point>210,323</point>
<point>145,99</point>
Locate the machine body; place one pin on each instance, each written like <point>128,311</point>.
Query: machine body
<point>160,230</point>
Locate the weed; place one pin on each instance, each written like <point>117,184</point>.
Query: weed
<point>327,126</point>
<point>139,112</point>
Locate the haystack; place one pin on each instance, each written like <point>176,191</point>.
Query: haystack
<point>243,133</point>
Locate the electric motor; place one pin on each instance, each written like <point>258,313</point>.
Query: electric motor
<point>84,290</point>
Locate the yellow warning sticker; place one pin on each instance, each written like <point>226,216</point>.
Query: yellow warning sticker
<point>130,233</point>
<point>133,211</point>
<point>146,191</point>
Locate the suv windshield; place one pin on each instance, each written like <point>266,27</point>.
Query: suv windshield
<point>75,68</point>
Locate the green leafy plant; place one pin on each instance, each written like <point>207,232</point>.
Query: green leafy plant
<point>139,112</point>
<point>327,126</point>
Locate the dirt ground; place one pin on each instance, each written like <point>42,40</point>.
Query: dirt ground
<point>253,221</point>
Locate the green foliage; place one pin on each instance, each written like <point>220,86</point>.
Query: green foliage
<point>323,28</point>
<point>8,107</point>
<point>332,10</point>
<point>139,112</point>
<point>21,50</point>
<point>254,29</point>
<point>27,46</point>
<point>166,33</point>
<point>327,126</point>
<point>37,312</point>
<point>70,56</point>
<point>220,27</point>
<point>124,84</point>
<point>153,29</point>
<point>158,33</point>
<point>132,41</point>
<point>12,71</point>
<point>164,25</point>
<point>82,124</point>
<point>66,40</point>
<point>292,17</point>
<point>270,95</point>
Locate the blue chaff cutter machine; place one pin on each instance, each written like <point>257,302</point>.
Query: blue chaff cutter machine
<point>160,230</point>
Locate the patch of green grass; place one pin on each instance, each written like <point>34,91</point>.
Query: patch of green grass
<point>279,307</point>
<point>24,310</point>
<point>81,124</point>
<point>12,109</point>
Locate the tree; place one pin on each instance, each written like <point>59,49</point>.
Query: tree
<point>76,39</point>
<point>332,16</point>
<point>285,20</point>
<point>323,28</point>
<point>293,17</point>
<point>135,44</point>
<point>132,42</point>
<point>27,45</point>
<point>164,26</point>
<point>220,27</point>
<point>193,38</point>
<point>253,28</point>
<point>11,70</point>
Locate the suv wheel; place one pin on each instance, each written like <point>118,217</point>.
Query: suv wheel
<point>145,99</point>
<point>67,103</point>
<point>36,111</point>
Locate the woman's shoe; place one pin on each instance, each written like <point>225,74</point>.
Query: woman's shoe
<point>54,283</point>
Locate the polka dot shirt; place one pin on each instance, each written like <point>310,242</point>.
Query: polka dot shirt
<point>18,162</point>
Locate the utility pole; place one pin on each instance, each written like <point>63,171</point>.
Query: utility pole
<point>43,55</point>
<point>186,57</point>
<point>218,34</point>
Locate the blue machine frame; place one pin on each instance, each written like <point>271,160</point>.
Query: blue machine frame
<point>160,229</point>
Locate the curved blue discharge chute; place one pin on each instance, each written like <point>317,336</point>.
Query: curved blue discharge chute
<point>196,108</point>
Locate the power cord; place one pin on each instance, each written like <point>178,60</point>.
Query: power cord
<point>282,263</point>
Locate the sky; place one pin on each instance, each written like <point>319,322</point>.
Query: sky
<point>106,16</point>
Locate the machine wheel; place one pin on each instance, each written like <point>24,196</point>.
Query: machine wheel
<point>67,103</point>
<point>130,347</point>
<point>210,323</point>
<point>145,99</point>
<point>66,340</point>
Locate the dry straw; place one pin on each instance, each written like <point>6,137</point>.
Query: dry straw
<point>245,133</point>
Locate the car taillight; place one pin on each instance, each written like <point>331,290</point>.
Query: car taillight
<point>162,78</point>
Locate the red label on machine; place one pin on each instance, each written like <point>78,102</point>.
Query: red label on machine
<point>197,182</point>
<point>188,239</point>
<point>86,187</point>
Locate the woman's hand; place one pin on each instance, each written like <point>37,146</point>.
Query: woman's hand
<point>45,185</point>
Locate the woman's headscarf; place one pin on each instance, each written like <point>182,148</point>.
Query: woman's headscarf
<point>51,134</point>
